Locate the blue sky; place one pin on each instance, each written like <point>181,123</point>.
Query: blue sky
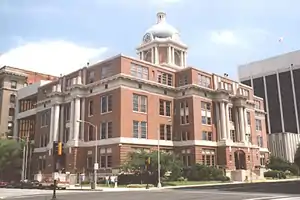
<point>59,36</point>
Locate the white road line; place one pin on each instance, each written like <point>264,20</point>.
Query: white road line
<point>272,198</point>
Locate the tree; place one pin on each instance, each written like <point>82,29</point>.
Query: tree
<point>297,156</point>
<point>280,164</point>
<point>10,156</point>
<point>169,163</point>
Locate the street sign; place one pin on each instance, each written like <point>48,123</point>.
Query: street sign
<point>96,166</point>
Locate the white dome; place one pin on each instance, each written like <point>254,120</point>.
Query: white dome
<point>162,29</point>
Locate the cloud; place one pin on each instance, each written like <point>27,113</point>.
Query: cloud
<point>51,57</point>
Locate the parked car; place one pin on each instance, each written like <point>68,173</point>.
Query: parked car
<point>3,184</point>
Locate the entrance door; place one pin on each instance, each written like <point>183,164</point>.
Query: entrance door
<point>240,159</point>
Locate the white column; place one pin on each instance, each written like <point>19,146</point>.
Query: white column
<point>56,123</point>
<point>242,124</point>
<point>267,104</point>
<point>51,126</point>
<point>62,123</point>
<point>72,120</point>
<point>173,55</point>
<point>245,120</point>
<point>219,131</point>
<point>82,118</point>
<point>142,55</point>
<point>79,79</point>
<point>76,118</point>
<point>237,126</point>
<point>152,54</point>
<point>223,120</point>
<point>185,62</point>
<point>227,121</point>
<point>295,101</point>
<point>181,59</point>
<point>58,88</point>
<point>280,102</point>
<point>169,55</point>
<point>156,55</point>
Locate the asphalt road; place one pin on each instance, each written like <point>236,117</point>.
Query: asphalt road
<point>163,195</point>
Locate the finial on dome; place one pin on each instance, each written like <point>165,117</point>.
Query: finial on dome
<point>161,16</point>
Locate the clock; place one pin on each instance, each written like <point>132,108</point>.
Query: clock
<point>147,37</point>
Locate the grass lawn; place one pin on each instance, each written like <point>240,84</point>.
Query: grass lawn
<point>178,183</point>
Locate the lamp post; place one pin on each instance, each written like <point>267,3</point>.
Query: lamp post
<point>96,166</point>
<point>24,157</point>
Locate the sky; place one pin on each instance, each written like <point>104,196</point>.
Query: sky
<point>60,36</point>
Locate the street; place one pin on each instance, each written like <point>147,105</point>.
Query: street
<point>158,194</point>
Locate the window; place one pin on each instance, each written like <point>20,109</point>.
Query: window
<point>165,78</point>
<point>90,108</point>
<point>257,104</point>
<point>186,157</point>
<point>13,84</point>
<point>184,112</point>
<point>164,108</point>
<point>106,71</point>
<point>165,132</point>
<point>207,135</point>
<point>11,112</point>
<point>89,162</point>
<point>232,135</point>
<point>91,77</point>
<point>183,80</point>
<point>248,118</point>
<point>206,113</point>
<point>204,81</point>
<point>103,161</point>
<point>139,103</point>
<point>105,158</point>
<point>208,157</point>
<point>91,133</point>
<point>260,141</point>
<point>139,129</point>
<point>106,104</point>
<point>185,135</point>
<point>139,71</point>
<point>230,114</point>
<point>106,130</point>
<point>12,98</point>
<point>258,125</point>
<point>44,118</point>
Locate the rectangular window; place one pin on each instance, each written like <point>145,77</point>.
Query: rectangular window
<point>106,104</point>
<point>165,132</point>
<point>102,161</point>
<point>144,130</point>
<point>103,130</point>
<point>91,133</point>
<point>165,78</point>
<point>135,129</point>
<point>232,135</point>
<point>109,130</point>
<point>230,114</point>
<point>208,157</point>
<point>164,108</point>
<point>90,108</point>
<point>185,135</point>
<point>207,135</point>
<point>184,112</point>
<point>109,162</point>
<point>106,71</point>
<point>248,118</point>
<point>204,81</point>
<point>258,125</point>
<point>13,84</point>
<point>206,113</point>
<point>139,103</point>
<point>139,71</point>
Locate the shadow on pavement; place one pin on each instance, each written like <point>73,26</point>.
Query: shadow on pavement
<point>288,187</point>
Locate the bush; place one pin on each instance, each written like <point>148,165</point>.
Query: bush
<point>200,172</point>
<point>275,174</point>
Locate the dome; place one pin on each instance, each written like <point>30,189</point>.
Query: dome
<point>162,29</point>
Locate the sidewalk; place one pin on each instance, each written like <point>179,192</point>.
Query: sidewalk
<point>121,189</point>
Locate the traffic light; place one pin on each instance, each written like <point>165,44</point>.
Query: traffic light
<point>58,148</point>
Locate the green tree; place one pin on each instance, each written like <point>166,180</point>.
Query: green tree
<point>280,164</point>
<point>10,155</point>
<point>169,163</point>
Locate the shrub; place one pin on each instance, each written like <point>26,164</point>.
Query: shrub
<point>275,174</point>
<point>200,172</point>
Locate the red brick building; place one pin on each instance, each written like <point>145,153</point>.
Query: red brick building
<point>204,117</point>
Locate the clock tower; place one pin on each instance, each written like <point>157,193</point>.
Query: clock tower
<point>161,45</point>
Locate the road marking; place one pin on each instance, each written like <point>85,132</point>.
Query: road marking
<point>272,198</point>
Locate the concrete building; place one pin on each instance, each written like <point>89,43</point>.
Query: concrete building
<point>130,104</point>
<point>12,79</point>
<point>277,80</point>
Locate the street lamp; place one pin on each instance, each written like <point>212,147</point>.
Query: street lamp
<point>158,155</point>
<point>24,157</point>
<point>96,166</point>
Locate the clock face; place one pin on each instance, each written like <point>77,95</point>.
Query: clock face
<point>147,37</point>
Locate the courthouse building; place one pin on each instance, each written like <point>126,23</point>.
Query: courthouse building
<point>134,102</point>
